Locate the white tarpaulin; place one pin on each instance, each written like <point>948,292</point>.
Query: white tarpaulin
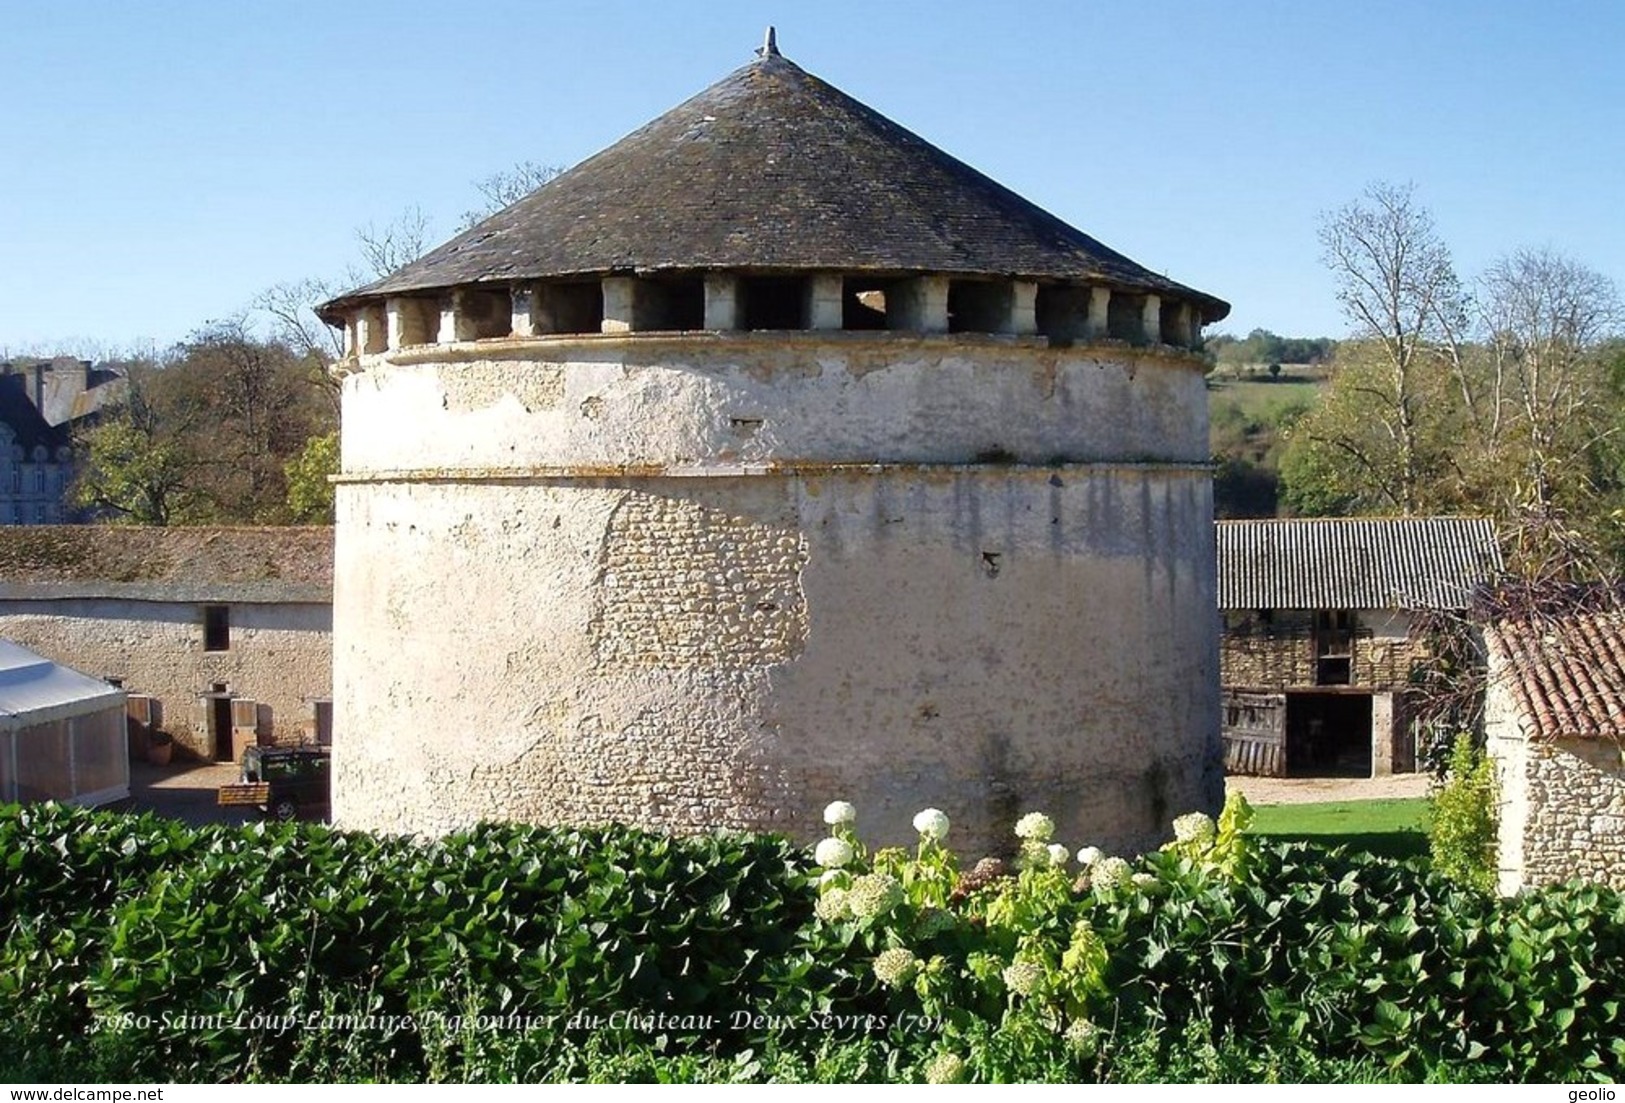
<point>62,733</point>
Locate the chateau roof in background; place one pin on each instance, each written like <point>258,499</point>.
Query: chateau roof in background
<point>1355,563</point>
<point>773,170</point>
<point>1567,672</point>
<point>263,565</point>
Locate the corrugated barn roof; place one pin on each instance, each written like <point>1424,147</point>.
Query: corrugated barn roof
<point>1355,563</point>
<point>1567,673</point>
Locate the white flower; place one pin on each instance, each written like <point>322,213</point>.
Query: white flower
<point>945,1068</point>
<point>1194,827</point>
<point>932,824</point>
<point>874,894</point>
<point>1083,1035</point>
<point>896,967</point>
<point>1089,855</point>
<point>839,812</point>
<point>1059,855</point>
<point>1144,880</point>
<point>1108,873</point>
<point>1035,826</point>
<point>833,853</point>
<point>1023,977</point>
<point>832,907</point>
<point>829,876</point>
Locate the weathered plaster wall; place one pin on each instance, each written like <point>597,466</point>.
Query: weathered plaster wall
<point>280,655</point>
<point>739,651</point>
<point>1562,804</point>
<point>827,398</point>
<point>703,582</point>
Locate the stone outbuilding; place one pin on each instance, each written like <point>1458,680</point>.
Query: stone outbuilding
<point>1322,634</point>
<point>221,636</point>
<point>768,457</point>
<point>1554,724</point>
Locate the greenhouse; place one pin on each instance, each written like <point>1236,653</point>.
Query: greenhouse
<point>62,733</point>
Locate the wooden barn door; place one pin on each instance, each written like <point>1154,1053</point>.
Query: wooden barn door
<point>1254,727</point>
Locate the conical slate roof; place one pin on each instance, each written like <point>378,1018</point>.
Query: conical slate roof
<point>773,170</point>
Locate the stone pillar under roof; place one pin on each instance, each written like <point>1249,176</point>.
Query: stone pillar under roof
<point>351,348</point>
<point>919,305</point>
<point>1098,323</point>
<point>620,304</point>
<point>411,321</point>
<point>1151,320</point>
<point>524,311</point>
<point>370,334</point>
<point>822,307</point>
<point>1023,308</point>
<point>721,300</point>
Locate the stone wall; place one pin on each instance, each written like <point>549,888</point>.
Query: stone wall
<point>1562,804</point>
<point>279,655</point>
<point>1280,653</point>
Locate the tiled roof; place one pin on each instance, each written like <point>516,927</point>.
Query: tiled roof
<point>1355,563</point>
<point>773,170</point>
<point>266,564</point>
<point>1567,672</point>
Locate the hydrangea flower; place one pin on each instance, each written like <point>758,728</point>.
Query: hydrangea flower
<point>874,894</point>
<point>833,853</point>
<point>839,813</point>
<point>896,967</point>
<point>1083,1035</point>
<point>932,824</point>
<point>832,906</point>
<point>1023,977</point>
<point>1089,855</point>
<point>1108,873</point>
<point>945,1068</point>
<point>933,921</point>
<point>1059,855</point>
<point>1036,827</point>
<point>1194,827</point>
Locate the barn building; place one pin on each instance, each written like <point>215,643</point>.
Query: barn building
<point>768,457</point>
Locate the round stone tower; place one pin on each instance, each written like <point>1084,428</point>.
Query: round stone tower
<point>769,457</point>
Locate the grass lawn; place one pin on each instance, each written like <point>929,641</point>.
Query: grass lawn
<point>1390,828</point>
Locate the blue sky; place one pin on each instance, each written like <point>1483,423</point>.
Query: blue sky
<point>164,162</point>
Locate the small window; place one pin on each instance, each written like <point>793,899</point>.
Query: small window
<point>216,628</point>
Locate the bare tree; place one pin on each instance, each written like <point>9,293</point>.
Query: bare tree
<point>501,189</point>
<point>1398,286</point>
<point>398,242</point>
<point>1545,319</point>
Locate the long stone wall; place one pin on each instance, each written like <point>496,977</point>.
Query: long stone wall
<point>279,654</point>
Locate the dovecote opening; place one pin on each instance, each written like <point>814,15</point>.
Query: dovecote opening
<point>979,306</point>
<point>568,307</point>
<point>863,304</point>
<point>483,314</point>
<point>412,321</point>
<point>682,304</point>
<point>1125,318</point>
<point>773,302</point>
<point>1062,312</point>
<point>1176,323</point>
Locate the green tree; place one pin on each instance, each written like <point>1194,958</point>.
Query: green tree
<point>310,493</point>
<point>138,467</point>
<point>205,435</point>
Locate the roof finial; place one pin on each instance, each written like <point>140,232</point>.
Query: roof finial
<point>769,46</point>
